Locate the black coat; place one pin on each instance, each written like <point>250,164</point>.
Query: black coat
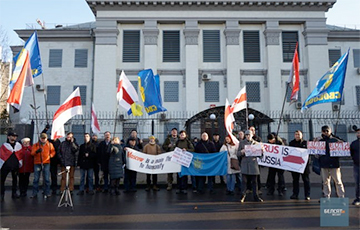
<point>67,153</point>
<point>325,160</point>
<point>87,162</point>
<point>205,147</point>
<point>116,162</point>
<point>355,151</point>
<point>103,155</point>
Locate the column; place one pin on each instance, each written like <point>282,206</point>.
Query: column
<point>151,33</point>
<point>104,81</point>
<point>275,89</point>
<point>232,34</point>
<point>191,33</point>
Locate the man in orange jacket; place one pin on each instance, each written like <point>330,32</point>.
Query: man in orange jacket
<point>42,152</point>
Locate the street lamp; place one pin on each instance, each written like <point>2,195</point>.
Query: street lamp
<point>212,117</point>
<point>251,118</point>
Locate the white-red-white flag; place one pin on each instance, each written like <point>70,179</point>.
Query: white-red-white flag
<point>22,72</point>
<point>127,96</point>
<point>229,119</point>
<point>95,127</point>
<point>71,107</point>
<point>294,78</point>
<point>240,101</point>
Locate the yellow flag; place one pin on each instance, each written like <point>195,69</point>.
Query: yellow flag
<point>136,109</point>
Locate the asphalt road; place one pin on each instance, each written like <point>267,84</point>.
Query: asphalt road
<point>168,210</point>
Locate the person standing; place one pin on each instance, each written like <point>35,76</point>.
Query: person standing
<point>152,149</point>
<point>10,161</point>
<point>42,152</point>
<point>139,142</point>
<point>130,175</point>
<point>249,168</point>
<point>67,154</point>
<point>355,155</point>
<point>94,140</point>
<point>330,166</point>
<point>103,155</point>
<point>27,168</point>
<point>185,144</point>
<point>272,139</point>
<point>205,146</point>
<point>218,145</point>
<point>299,142</point>
<point>116,163</point>
<point>86,159</point>
<point>168,146</point>
<point>231,149</point>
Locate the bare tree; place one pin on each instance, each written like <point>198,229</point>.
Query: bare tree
<point>4,43</point>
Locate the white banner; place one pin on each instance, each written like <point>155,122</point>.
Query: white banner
<point>182,157</point>
<point>316,147</point>
<point>253,150</point>
<point>151,164</point>
<point>339,149</point>
<point>284,157</point>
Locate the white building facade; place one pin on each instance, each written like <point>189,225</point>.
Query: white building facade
<point>204,51</point>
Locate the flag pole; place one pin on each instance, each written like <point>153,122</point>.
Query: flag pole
<point>247,117</point>
<point>37,123</point>
<point>116,114</point>
<point>282,109</point>
<point>45,98</point>
<point>337,119</point>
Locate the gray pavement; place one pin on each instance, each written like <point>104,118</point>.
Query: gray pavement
<point>168,210</point>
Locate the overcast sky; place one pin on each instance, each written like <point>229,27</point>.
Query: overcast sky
<point>22,14</point>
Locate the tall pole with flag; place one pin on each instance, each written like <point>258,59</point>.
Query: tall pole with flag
<point>293,82</point>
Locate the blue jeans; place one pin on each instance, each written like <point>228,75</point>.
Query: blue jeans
<point>46,179</point>
<point>90,173</point>
<point>357,181</point>
<point>230,182</point>
<point>238,179</point>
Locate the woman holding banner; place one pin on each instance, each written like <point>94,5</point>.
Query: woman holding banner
<point>231,149</point>
<point>249,168</point>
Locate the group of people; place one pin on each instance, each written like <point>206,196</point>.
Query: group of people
<point>105,162</point>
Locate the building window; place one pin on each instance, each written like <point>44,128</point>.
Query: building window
<point>171,46</point>
<point>334,55</point>
<point>131,46</point>
<point>212,91</point>
<point>251,42</point>
<point>289,91</point>
<point>82,93</point>
<point>289,40</point>
<point>171,91</point>
<point>253,91</point>
<point>55,58</point>
<point>292,127</point>
<point>356,54</point>
<point>81,57</point>
<point>53,95</point>
<point>357,89</point>
<point>211,46</point>
<point>78,131</point>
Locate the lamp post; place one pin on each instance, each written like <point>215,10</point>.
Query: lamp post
<point>212,117</point>
<point>251,118</point>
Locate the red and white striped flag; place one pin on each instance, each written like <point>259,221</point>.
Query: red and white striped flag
<point>229,119</point>
<point>294,79</point>
<point>22,72</point>
<point>127,96</point>
<point>95,127</point>
<point>71,107</point>
<point>240,101</point>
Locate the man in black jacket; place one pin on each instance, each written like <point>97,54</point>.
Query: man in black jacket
<point>330,166</point>
<point>67,155</point>
<point>299,142</point>
<point>103,156</point>
<point>86,158</point>
<point>355,155</point>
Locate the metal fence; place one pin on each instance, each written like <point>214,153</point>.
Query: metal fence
<point>160,125</point>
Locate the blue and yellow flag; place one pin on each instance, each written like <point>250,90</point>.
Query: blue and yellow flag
<point>330,86</point>
<point>206,164</point>
<point>150,91</point>
<point>31,45</point>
